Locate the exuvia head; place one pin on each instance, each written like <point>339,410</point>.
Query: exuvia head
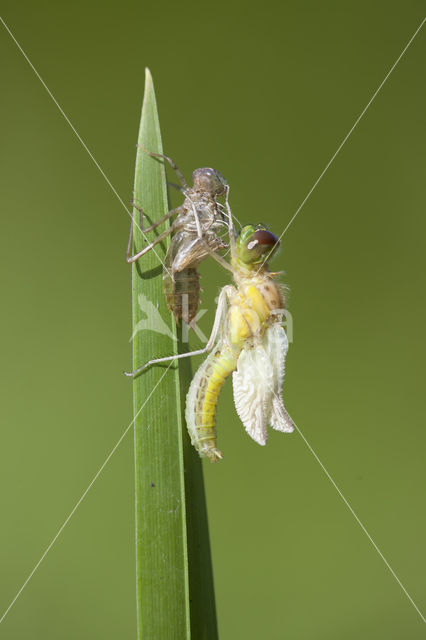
<point>210,180</point>
<point>254,243</point>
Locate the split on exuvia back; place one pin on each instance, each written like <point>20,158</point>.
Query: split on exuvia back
<point>247,340</point>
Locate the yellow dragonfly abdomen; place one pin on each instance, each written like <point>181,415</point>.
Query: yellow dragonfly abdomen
<point>202,400</point>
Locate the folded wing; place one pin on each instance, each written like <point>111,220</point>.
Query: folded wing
<point>258,382</point>
<point>276,346</point>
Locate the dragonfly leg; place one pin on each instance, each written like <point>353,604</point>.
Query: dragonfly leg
<point>232,242</point>
<point>130,258</point>
<point>157,223</point>
<point>171,163</point>
<point>141,212</point>
<point>222,261</point>
<point>145,250</point>
<point>129,242</point>
<point>225,294</point>
<point>228,212</point>
<point>178,187</point>
<point>132,374</point>
<point>196,218</point>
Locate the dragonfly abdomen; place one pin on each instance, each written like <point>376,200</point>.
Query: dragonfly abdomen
<point>182,292</point>
<point>202,398</point>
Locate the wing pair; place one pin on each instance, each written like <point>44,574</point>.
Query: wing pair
<point>258,383</point>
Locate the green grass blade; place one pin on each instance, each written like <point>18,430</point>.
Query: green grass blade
<point>175,598</point>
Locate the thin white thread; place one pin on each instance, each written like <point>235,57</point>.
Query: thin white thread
<point>102,172</point>
<point>354,514</point>
<point>360,523</point>
<point>288,225</point>
<point>84,494</point>
<point>347,136</point>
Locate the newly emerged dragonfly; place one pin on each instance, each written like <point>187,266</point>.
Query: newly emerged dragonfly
<point>196,228</point>
<point>247,340</point>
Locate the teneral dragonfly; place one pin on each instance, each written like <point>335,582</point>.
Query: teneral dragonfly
<point>247,340</point>
<point>196,229</point>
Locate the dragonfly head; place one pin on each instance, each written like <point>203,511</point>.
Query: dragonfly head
<point>254,243</point>
<point>210,180</point>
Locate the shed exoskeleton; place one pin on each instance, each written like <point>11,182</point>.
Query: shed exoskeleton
<point>196,234</point>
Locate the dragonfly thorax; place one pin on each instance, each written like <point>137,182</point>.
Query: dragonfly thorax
<point>254,306</point>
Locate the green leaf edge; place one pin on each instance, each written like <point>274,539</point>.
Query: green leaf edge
<point>175,594</point>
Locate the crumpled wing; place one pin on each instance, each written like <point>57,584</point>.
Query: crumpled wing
<point>253,384</point>
<point>258,383</point>
<point>276,346</point>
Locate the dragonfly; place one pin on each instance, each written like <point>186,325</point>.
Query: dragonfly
<point>195,236</point>
<point>247,340</point>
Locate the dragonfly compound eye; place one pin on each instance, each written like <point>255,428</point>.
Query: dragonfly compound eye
<point>253,243</point>
<point>264,238</point>
<point>209,180</point>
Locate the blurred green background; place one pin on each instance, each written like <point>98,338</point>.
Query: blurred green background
<point>265,94</point>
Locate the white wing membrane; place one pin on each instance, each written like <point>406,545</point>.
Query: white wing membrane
<point>276,346</point>
<point>252,383</point>
<point>258,382</point>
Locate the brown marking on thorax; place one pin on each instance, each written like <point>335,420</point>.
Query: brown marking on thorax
<point>273,294</point>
